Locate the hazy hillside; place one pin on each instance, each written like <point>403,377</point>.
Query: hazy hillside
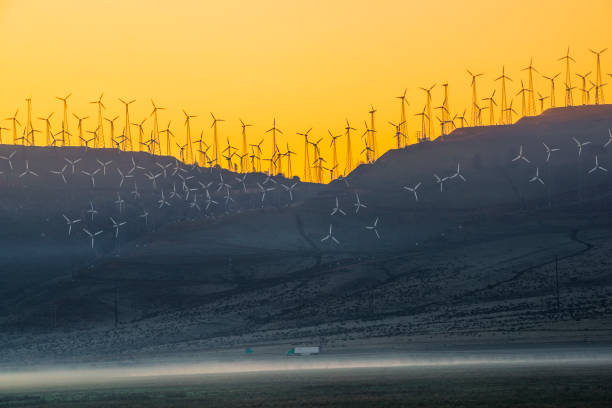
<point>471,261</point>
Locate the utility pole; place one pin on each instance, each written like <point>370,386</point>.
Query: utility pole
<point>116,308</point>
<point>557,281</point>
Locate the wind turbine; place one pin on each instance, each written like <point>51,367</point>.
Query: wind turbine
<point>330,235</point>
<point>462,118</point>
<point>427,131</point>
<point>492,103</point>
<point>504,106</point>
<point>111,122</point>
<point>168,133</point>
<point>580,145</point>
<point>15,122</point>
<point>597,166</point>
<point>156,125</point>
<point>80,126</point>
<point>531,107</point>
<point>523,104</point>
<point>274,129</point>
<point>349,149</point>
<point>552,88</point>
<point>337,209</point>
<point>569,99</point>
<point>140,133</point>
<point>585,98</point>
<point>289,153</point>
<point>404,103</point>
<point>70,223</point>
<point>398,133</point>
<point>549,151</point>
<point>27,170</point>
<point>289,189</point>
<point>413,190</point>
<point>537,177</point>
<point>521,156</point>
<point>243,158</point>
<point>542,99</point>
<point>100,140</point>
<point>215,137</point>
<point>65,106</point>
<point>474,96</point>
<point>358,204</point>
<point>48,128</point>
<point>127,141</point>
<point>307,174</point>
<point>334,150</point>
<point>374,228</point>
<point>599,96</point>
<point>372,134</point>
<point>117,225</point>
<point>92,236</point>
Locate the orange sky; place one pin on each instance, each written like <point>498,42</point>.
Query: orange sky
<point>311,64</point>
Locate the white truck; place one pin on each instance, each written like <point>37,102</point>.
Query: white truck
<point>304,351</point>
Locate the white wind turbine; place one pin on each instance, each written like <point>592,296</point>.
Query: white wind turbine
<point>119,201</point>
<point>458,173</point>
<point>209,200</point>
<point>537,177</point>
<point>135,191</point>
<point>609,139</point>
<point>70,223</point>
<point>337,209</point>
<point>358,204</point>
<point>92,211</point>
<point>104,165</point>
<point>549,150</point>
<point>27,170</point>
<point>117,225</point>
<point>597,166</point>
<point>580,145</point>
<point>91,175</point>
<point>241,180</point>
<point>162,201</point>
<point>374,227</point>
<point>289,189</point>
<point>60,173</point>
<point>263,191</point>
<point>145,215</point>
<point>72,163</point>
<point>330,235</point>
<point>9,158</point>
<point>521,156</point>
<point>440,181</point>
<point>413,190</point>
<point>123,176</point>
<point>92,236</point>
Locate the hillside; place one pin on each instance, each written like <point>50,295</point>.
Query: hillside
<point>472,260</point>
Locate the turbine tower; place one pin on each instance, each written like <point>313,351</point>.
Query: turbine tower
<point>372,134</point>
<point>15,123</point>
<point>111,122</point>
<point>445,108</point>
<point>585,95</point>
<point>334,152</point>
<point>503,115</point>
<point>523,103</point>
<point>569,99</point>
<point>29,129</point>
<point>349,149</point>
<point>492,103</point>
<point>156,127</point>
<point>427,113</point>
<point>243,158</point>
<point>553,102</point>
<point>531,105</point>
<point>274,129</point>
<point>404,103</point>
<point>47,128</point>
<point>65,121</point>
<point>100,140</point>
<point>140,133</point>
<point>80,127</point>
<point>189,157</point>
<point>475,108</point>
<point>599,94</point>
<point>127,140</point>
<point>307,175</point>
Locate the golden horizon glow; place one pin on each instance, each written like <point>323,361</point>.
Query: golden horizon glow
<point>307,65</point>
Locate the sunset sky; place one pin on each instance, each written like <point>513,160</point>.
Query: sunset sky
<point>309,64</point>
